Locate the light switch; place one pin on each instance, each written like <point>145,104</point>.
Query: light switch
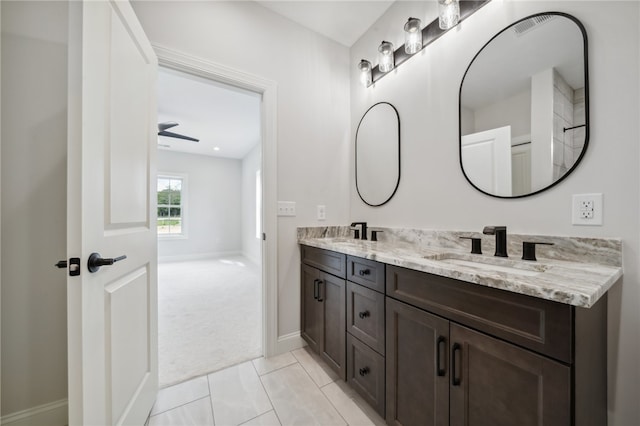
<point>286,208</point>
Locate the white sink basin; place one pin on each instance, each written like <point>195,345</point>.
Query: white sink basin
<point>492,264</point>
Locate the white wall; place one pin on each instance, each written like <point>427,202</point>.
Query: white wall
<point>514,111</point>
<point>251,246</point>
<point>34,146</point>
<point>213,205</point>
<point>434,194</point>
<point>312,74</point>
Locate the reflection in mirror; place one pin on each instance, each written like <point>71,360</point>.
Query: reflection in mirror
<point>378,154</point>
<point>524,107</point>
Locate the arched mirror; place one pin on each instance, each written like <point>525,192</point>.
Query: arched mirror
<point>524,107</point>
<point>378,154</point>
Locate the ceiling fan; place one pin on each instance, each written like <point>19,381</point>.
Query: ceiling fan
<point>162,131</point>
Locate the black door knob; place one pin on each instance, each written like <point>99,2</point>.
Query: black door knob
<point>61,264</point>
<point>364,371</point>
<point>95,261</point>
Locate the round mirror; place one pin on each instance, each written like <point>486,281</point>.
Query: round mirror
<point>378,154</point>
<point>524,107</point>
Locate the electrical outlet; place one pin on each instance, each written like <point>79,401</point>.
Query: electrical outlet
<point>286,208</point>
<point>322,212</point>
<point>587,209</point>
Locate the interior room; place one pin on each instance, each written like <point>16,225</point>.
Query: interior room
<point>209,226</point>
<point>376,208</point>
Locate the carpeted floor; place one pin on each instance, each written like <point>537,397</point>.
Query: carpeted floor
<point>209,316</point>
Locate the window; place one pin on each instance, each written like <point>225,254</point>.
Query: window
<point>170,205</point>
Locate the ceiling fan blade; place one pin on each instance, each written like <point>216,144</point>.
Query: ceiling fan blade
<point>177,136</point>
<point>166,125</point>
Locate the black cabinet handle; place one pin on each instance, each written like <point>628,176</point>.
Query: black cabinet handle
<point>364,272</point>
<point>320,299</point>
<point>315,289</point>
<point>455,380</point>
<point>440,349</point>
<point>364,314</point>
<point>364,371</point>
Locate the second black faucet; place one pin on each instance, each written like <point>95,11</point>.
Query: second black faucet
<point>364,229</point>
<point>501,239</point>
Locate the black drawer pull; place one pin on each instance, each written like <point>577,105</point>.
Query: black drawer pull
<point>455,380</point>
<point>320,299</point>
<point>364,314</point>
<point>364,272</point>
<point>315,288</point>
<point>364,371</point>
<point>440,349</point>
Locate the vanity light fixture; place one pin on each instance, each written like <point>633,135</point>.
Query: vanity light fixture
<point>449,13</point>
<point>412,36</point>
<point>365,72</point>
<point>385,56</point>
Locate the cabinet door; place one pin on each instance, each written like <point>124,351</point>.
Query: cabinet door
<point>494,383</point>
<point>365,315</point>
<point>416,366</point>
<point>310,314</point>
<point>332,298</point>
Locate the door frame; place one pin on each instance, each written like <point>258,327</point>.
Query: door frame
<point>189,64</point>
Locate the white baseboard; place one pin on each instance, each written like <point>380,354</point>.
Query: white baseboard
<point>51,414</point>
<point>197,256</point>
<point>289,342</point>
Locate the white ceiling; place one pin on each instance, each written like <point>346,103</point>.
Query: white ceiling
<point>229,118</point>
<point>343,21</point>
<point>219,115</point>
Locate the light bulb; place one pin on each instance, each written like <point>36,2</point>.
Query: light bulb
<point>449,13</point>
<point>365,72</point>
<point>385,56</point>
<point>412,36</point>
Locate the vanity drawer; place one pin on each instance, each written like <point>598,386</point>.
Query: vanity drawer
<point>365,373</point>
<point>326,260</point>
<point>368,273</point>
<point>540,325</point>
<point>365,316</point>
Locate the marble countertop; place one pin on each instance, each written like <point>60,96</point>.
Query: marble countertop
<point>572,282</point>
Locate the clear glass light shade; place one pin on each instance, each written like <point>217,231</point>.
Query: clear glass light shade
<point>449,12</point>
<point>412,36</point>
<point>365,72</point>
<point>385,57</point>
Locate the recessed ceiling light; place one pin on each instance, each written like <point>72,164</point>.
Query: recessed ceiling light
<point>216,148</point>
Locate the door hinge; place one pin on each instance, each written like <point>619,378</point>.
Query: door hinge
<point>264,237</point>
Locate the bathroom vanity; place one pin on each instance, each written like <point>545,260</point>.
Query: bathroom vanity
<point>428,334</point>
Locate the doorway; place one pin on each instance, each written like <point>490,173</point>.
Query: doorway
<point>209,205</point>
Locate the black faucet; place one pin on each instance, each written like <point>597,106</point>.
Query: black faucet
<point>501,239</point>
<point>364,229</point>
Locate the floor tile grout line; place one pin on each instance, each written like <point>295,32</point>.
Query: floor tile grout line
<point>213,414</point>
<point>267,393</point>
<point>309,374</point>
<point>180,406</point>
<point>320,389</point>
<point>276,369</point>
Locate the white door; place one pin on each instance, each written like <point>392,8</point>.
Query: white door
<point>486,160</point>
<point>112,313</point>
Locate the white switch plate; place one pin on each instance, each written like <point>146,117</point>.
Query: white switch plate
<point>322,212</point>
<point>286,208</point>
<point>587,209</point>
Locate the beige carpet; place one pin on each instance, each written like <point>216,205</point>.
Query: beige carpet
<point>209,316</point>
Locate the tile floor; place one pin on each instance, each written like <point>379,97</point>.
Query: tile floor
<point>295,388</point>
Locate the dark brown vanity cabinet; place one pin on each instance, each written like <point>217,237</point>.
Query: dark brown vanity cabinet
<point>323,305</point>
<point>366,330</point>
<point>464,354</point>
